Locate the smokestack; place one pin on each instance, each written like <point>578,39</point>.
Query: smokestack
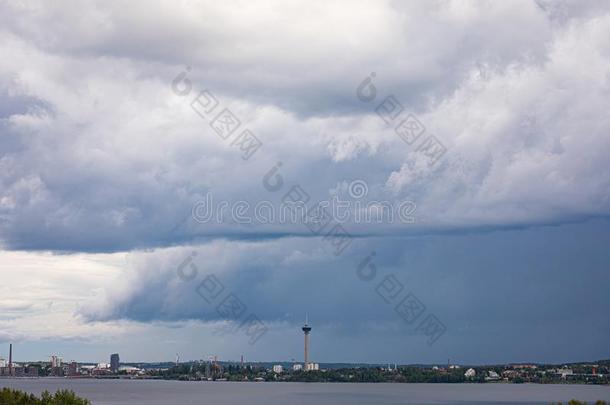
<point>10,359</point>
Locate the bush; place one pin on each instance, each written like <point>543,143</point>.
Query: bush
<point>61,397</point>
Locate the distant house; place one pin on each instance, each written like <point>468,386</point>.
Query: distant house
<point>564,372</point>
<point>470,373</point>
<point>524,366</point>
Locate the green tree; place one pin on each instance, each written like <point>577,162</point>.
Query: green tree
<point>9,396</point>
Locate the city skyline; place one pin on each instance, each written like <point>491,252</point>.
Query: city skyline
<point>114,362</point>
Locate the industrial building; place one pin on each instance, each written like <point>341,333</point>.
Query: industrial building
<point>11,369</point>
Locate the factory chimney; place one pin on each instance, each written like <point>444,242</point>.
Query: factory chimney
<point>10,359</point>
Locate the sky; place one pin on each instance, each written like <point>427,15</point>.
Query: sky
<point>450,158</point>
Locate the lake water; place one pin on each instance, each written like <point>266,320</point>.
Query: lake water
<point>153,392</point>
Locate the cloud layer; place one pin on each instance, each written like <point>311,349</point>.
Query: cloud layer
<point>529,291</point>
<point>101,150</point>
<point>99,154</point>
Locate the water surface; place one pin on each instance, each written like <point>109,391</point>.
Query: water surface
<point>156,392</point>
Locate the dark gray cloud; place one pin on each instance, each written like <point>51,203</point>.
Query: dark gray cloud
<point>531,291</point>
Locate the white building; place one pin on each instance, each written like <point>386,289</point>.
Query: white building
<point>130,370</point>
<point>470,373</point>
<point>312,367</point>
<point>278,369</point>
<point>3,362</point>
<point>87,367</point>
<point>390,369</point>
<point>55,361</point>
<point>297,367</point>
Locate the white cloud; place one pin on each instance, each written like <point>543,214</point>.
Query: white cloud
<point>533,138</point>
<point>99,154</point>
<point>40,300</point>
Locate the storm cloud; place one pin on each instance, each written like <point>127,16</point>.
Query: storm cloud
<point>107,145</point>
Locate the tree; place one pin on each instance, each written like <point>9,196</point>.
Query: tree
<point>9,396</point>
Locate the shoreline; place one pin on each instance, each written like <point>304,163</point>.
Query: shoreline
<point>504,383</point>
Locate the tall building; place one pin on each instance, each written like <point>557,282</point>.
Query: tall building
<point>73,368</point>
<point>306,329</point>
<point>114,362</point>
<point>55,361</point>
